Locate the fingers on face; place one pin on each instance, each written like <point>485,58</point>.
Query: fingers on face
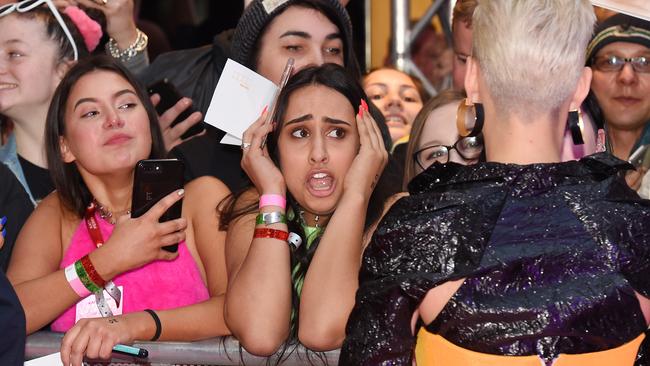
<point>255,134</point>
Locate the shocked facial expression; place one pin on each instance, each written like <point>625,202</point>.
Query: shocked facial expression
<point>303,34</point>
<point>318,142</point>
<point>106,125</point>
<point>395,94</point>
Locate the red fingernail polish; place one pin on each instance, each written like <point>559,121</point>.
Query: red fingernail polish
<point>360,112</point>
<point>364,104</point>
<point>265,108</point>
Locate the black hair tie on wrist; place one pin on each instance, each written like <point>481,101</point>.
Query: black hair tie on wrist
<point>156,319</point>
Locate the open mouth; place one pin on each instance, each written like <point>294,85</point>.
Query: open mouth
<point>320,184</point>
<point>395,120</point>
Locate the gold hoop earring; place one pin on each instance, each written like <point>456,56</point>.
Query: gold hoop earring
<point>469,125</point>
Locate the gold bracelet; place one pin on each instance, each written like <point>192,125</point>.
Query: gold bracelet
<point>139,45</point>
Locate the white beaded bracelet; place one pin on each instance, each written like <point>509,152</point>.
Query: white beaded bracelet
<point>140,44</point>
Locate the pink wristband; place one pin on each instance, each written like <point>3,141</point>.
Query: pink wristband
<point>273,200</point>
<point>74,282</point>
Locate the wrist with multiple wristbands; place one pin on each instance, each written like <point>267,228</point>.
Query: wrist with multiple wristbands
<point>270,218</point>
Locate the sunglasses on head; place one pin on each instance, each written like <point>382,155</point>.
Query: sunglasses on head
<point>27,5</point>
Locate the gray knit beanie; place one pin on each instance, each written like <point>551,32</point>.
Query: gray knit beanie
<point>261,12</point>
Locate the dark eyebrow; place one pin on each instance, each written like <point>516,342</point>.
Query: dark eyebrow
<point>299,119</point>
<point>335,121</point>
<point>296,34</point>
<point>87,100</point>
<point>306,35</point>
<point>334,36</point>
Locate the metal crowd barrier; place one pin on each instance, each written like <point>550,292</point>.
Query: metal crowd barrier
<point>404,35</point>
<point>218,351</point>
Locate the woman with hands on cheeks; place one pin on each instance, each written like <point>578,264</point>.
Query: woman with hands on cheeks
<point>80,240</point>
<point>296,235</point>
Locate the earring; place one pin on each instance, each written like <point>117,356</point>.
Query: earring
<point>574,123</point>
<point>469,118</point>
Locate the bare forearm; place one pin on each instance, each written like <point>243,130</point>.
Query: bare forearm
<point>190,323</point>
<point>332,279</point>
<point>259,296</point>
<point>44,299</point>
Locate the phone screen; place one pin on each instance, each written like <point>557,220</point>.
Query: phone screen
<point>155,179</point>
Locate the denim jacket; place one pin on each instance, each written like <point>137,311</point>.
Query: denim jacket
<point>9,157</point>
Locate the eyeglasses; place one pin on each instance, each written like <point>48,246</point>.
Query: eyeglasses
<point>613,63</point>
<point>469,148</point>
<point>27,5</point>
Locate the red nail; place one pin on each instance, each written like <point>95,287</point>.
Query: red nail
<point>360,112</point>
<point>265,108</point>
<point>364,105</point>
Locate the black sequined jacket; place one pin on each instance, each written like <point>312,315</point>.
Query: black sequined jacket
<point>551,253</point>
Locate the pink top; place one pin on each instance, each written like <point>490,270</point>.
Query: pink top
<point>158,285</point>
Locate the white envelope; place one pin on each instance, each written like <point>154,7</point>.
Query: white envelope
<point>53,359</point>
<point>238,101</point>
<point>636,8</point>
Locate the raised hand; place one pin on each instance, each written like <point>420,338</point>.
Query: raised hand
<point>120,23</point>
<point>371,160</point>
<point>256,162</point>
<point>172,135</point>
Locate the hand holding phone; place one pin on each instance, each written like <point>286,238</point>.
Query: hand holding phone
<point>169,96</point>
<point>155,179</point>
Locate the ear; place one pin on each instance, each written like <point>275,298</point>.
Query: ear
<point>582,89</point>
<point>471,80</point>
<point>63,67</point>
<point>66,154</point>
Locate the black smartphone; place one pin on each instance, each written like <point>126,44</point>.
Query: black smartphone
<point>169,96</point>
<point>154,179</point>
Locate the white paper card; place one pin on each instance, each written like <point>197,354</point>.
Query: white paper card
<point>50,360</point>
<point>636,8</point>
<point>238,100</point>
<point>87,308</point>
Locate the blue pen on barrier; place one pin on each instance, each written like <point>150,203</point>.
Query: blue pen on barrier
<point>131,351</point>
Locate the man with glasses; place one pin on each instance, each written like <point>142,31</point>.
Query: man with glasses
<point>619,55</point>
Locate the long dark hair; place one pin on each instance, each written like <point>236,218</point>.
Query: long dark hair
<point>344,26</point>
<point>68,182</point>
<point>339,79</point>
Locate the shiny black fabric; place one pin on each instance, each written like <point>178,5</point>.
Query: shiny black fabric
<point>551,253</point>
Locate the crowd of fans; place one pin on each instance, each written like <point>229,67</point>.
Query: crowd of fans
<point>504,216</point>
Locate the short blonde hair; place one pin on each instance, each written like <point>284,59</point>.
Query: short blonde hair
<point>440,100</point>
<point>531,53</point>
